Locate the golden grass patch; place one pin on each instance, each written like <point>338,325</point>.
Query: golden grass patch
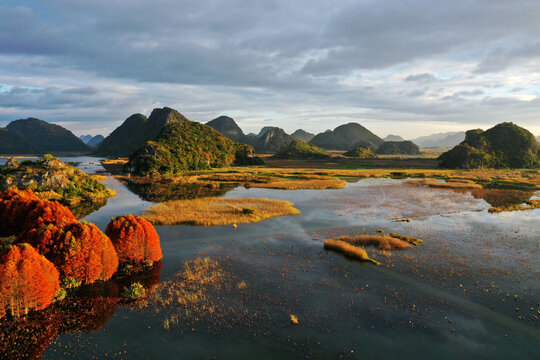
<point>115,161</point>
<point>313,184</point>
<point>214,211</point>
<point>382,242</point>
<point>450,184</point>
<point>349,250</point>
<point>527,205</point>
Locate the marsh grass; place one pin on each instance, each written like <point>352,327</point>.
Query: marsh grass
<point>349,250</point>
<point>215,211</point>
<point>408,239</point>
<point>382,242</point>
<point>527,205</point>
<point>310,184</point>
<point>449,184</point>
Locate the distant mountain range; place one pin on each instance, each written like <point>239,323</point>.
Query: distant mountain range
<point>92,141</point>
<point>34,136</point>
<point>394,138</point>
<point>440,140</point>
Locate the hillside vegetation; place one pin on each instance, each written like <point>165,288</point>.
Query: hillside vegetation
<point>361,152</point>
<point>503,146</point>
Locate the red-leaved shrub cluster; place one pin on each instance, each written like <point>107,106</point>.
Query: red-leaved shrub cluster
<point>27,280</point>
<point>135,239</point>
<point>53,246</point>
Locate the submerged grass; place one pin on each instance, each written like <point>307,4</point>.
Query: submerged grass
<point>215,211</point>
<point>349,250</point>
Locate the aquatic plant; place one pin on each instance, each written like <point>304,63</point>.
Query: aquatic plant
<point>217,211</point>
<point>450,184</point>
<point>382,242</point>
<point>349,250</point>
<point>135,239</point>
<point>28,281</point>
<point>80,251</point>
<point>526,205</point>
<point>134,291</point>
<point>410,240</point>
<point>294,319</point>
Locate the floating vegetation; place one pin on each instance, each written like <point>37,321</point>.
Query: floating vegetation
<point>218,211</point>
<point>294,319</point>
<point>349,250</point>
<point>406,238</point>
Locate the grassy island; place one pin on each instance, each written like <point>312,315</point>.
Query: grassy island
<point>214,211</point>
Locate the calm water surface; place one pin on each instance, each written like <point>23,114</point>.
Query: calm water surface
<point>471,290</point>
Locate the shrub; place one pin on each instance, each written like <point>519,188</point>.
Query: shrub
<point>135,239</point>
<point>134,291</point>
<point>80,251</point>
<point>27,280</point>
<point>49,212</point>
<point>15,205</point>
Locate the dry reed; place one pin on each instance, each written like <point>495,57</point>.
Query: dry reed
<point>214,211</point>
<point>313,184</point>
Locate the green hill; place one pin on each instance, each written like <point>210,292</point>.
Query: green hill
<point>503,146</point>
<point>299,149</point>
<point>13,144</point>
<point>271,140</point>
<point>187,145</point>
<point>135,131</point>
<point>46,137</point>
<point>228,127</point>
<point>302,135</point>
<point>361,152</point>
<point>398,148</point>
<point>346,137</point>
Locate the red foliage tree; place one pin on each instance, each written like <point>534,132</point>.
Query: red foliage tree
<point>49,212</point>
<point>135,239</point>
<point>14,207</point>
<point>27,280</point>
<point>80,251</point>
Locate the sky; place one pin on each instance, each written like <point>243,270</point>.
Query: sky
<point>405,67</point>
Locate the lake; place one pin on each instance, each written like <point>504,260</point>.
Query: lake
<point>471,290</point>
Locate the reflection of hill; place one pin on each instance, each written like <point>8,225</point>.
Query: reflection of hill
<point>159,190</point>
<point>86,310</point>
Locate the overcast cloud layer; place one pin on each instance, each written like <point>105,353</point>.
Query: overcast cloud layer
<point>407,67</point>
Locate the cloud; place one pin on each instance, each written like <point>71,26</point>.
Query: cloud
<point>278,59</point>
